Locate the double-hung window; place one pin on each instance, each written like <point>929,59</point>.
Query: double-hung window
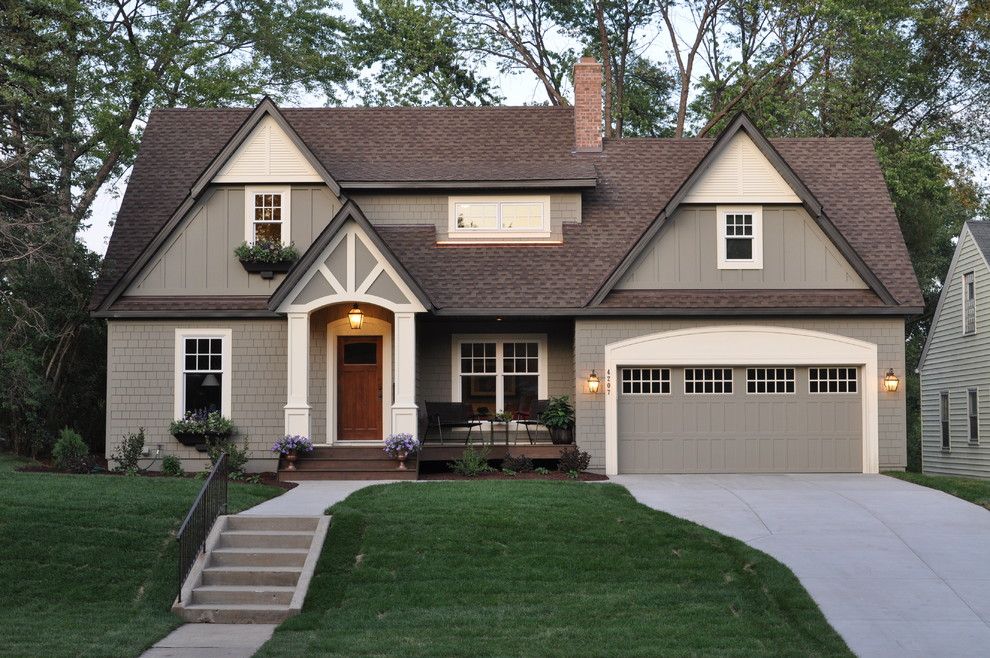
<point>943,416</point>
<point>740,237</point>
<point>503,373</point>
<point>973,412</point>
<point>969,303</point>
<point>267,214</point>
<point>491,217</point>
<point>202,371</point>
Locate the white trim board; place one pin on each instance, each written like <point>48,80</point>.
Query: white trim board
<point>178,388</point>
<point>744,345</point>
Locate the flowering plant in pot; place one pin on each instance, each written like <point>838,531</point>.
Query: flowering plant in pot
<point>291,446</point>
<point>559,419</point>
<point>266,257</point>
<point>400,446</point>
<point>200,426</point>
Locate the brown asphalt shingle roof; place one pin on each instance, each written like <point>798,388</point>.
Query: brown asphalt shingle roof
<point>636,178</point>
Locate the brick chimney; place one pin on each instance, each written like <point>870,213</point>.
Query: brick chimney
<point>588,105</point>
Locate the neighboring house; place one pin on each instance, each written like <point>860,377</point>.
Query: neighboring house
<point>954,366</point>
<point>740,298</point>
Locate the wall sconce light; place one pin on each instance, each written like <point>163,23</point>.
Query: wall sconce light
<point>593,382</point>
<point>356,317</point>
<point>890,381</point>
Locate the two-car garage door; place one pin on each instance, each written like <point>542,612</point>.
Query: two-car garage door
<point>739,418</point>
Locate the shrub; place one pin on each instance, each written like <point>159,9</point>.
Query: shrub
<point>237,455</point>
<point>172,466</point>
<point>70,452</point>
<point>128,452</point>
<point>541,470</point>
<point>573,459</point>
<point>472,463</point>
<point>266,251</point>
<point>520,464</point>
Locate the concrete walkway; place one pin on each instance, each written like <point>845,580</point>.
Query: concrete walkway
<point>212,640</point>
<point>311,498</point>
<point>898,569</point>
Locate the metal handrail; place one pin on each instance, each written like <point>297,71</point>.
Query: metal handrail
<point>208,506</point>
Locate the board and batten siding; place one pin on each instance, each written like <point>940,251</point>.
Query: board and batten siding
<point>198,259</point>
<point>956,363</point>
<point>796,254</point>
<point>592,335</point>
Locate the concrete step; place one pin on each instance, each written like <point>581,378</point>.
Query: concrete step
<point>272,523</point>
<point>294,476</point>
<point>200,613</point>
<point>258,557</point>
<point>252,576</point>
<point>244,595</point>
<point>265,539</point>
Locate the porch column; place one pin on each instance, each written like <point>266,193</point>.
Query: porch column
<point>297,407</point>
<point>404,410</point>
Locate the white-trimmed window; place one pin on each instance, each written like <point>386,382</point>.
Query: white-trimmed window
<point>499,373</point>
<point>267,214</point>
<point>769,380</point>
<point>646,381</point>
<point>202,371</point>
<point>833,380</point>
<point>740,237</point>
<point>943,417</point>
<point>495,216</point>
<point>700,381</point>
<point>973,412</point>
<point>969,303</point>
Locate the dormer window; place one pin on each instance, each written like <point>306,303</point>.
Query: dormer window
<point>740,237</point>
<point>267,214</point>
<point>497,217</point>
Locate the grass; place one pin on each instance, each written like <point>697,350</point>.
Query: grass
<point>542,568</point>
<point>975,490</point>
<point>88,562</point>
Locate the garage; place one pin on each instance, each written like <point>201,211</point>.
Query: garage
<point>739,419</point>
<point>741,399</point>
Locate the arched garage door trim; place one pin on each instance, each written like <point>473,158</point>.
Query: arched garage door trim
<point>749,345</point>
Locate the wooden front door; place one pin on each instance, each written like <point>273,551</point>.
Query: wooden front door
<point>359,387</point>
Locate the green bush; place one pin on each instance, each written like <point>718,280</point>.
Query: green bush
<point>520,464</point>
<point>472,463</point>
<point>573,461</point>
<point>267,251</point>
<point>128,452</point>
<point>237,455</point>
<point>172,466</point>
<point>70,452</point>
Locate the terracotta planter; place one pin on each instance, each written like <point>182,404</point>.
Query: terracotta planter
<point>290,460</point>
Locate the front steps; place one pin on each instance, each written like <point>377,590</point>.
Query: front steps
<point>348,463</point>
<point>255,570</point>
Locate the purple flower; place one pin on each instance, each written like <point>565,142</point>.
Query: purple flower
<point>399,443</point>
<point>292,443</point>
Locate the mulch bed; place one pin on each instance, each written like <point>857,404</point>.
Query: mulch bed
<point>267,478</point>
<point>585,476</point>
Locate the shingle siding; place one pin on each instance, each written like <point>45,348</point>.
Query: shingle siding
<point>955,363</point>
<point>591,336</point>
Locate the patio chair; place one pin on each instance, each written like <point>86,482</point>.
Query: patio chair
<point>451,415</point>
<point>531,417</point>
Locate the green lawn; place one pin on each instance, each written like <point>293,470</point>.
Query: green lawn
<point>541,568</point>
<point>974,490</point>
<point>88,562</point>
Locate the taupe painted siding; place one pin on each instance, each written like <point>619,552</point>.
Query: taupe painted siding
<point>141,382</point>
<point>796,254</point>
<point>591,336</point>
<point>956,363</point>
<point>199,258</point>
<point>432,209</point>
<point>740,432</point>
<point>433,367</point>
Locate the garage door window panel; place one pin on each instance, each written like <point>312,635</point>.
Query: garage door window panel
<point>769,381</point>
<point>708,381</point>
<point>833,380</point>
<point>646,381</point>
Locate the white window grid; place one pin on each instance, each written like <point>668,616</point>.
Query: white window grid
<point>478,359</point>
<point>739,225</point>
<point>708,381</point>
<point>833,379</point>
<point>203,354</point>
<point>646,381</point>
<point>769,381</point>
<point>521,358</point>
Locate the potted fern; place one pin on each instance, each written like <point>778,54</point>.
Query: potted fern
<point>559,419</point>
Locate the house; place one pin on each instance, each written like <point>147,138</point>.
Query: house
<point>740,299</point>
<point>955,378</point>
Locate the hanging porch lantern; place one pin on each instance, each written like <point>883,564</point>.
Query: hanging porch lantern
<point>356,317</point>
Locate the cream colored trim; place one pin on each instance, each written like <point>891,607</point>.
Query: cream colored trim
<point>744,345</point>
<point>756,262</point>
<point>371,327</point>
<point>499,340</point>
<point>456,234</point>
<point>267,155</point>
<point>286,193</point>
<point>741,174</point>
<point>225,334</point>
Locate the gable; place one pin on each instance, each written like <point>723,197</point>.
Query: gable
<point>741,173</point>
<point>267,155</point>
<point>796,255</point>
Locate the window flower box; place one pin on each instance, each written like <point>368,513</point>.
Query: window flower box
<point>197,428</point>
<point>266,257</point>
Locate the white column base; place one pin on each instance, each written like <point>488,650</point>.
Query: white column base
<point>405,419</point>
<point>297,419</point>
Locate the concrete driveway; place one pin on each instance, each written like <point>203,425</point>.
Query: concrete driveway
<point>898,569</point>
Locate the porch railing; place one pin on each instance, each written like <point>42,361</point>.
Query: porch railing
<point>209,505</point>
